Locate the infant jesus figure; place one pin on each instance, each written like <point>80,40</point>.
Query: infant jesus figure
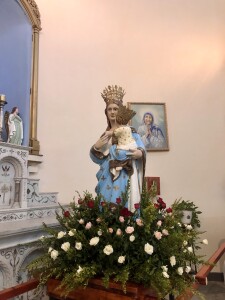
<point>123,133</point>
<point>123,141</point>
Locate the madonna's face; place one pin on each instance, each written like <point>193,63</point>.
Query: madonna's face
<point>148,119</point>
<point>111,111</point>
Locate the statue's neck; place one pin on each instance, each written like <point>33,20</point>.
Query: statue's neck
<point>114,125</point>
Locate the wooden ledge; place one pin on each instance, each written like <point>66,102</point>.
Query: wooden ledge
<point>18,289</point>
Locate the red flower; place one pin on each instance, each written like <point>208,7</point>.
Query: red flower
<point>66,214</point>
<point>90,203</point>
<point>156,205</point>
<point>80,201</point>
<point>163,205</point>
<point>125,212</point>
<point>160,200</point>
<point>103,203</point>
<point>169,210</point>
<point>118,200</point>
<point>137,205</point>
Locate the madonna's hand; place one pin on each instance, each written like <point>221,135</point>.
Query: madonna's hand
<point>136,153</point>
<point>101,142</point>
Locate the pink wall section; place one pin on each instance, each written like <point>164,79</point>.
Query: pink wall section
<point>158,51</point>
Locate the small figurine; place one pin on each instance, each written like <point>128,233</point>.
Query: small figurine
<point>14,126</point>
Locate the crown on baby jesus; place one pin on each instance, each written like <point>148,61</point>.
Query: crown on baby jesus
<point>113,94</point>
<point>124,115</point>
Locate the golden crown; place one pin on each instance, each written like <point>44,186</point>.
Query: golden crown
<point>113,94</point>
<point>124,115</point>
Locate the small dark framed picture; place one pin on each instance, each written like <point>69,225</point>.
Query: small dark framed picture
<point>150,123</point>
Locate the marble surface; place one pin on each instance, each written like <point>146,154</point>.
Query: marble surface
<point>215,290</point>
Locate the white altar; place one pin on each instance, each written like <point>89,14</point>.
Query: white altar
<point>23,209</point>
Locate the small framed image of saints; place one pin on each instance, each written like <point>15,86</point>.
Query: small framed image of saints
<point>150,123</point>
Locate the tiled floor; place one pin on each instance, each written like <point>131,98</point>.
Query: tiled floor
<point>215,290</point>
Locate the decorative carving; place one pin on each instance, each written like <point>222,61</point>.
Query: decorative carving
<point>3,150</point>
<point>34,214</point>
<point>13,262</point>
<point>12,216</point>
<point>34,198</point>
<point>23,155</point>
<point>35,10</point>
<point>4,269</point>
<point>14,256</point>
<point>29,214</point>
<point>32,10</point>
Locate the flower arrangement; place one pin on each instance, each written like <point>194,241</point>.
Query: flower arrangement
<point>148,245</point>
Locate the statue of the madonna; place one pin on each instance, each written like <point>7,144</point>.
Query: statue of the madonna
<point>128,164</point>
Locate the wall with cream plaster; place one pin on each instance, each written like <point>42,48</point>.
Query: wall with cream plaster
<point>158,51</point>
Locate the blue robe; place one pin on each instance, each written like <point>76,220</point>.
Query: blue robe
<point>111,189</point>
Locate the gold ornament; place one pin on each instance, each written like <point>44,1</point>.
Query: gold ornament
<point>113,94</point>
<point>124,115</point>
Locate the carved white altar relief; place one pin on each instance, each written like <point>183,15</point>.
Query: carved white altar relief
<point>23,209</point>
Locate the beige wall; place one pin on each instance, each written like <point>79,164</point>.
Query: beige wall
<point>166,51</point>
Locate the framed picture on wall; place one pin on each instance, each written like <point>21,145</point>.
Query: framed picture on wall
<point>150,122</point>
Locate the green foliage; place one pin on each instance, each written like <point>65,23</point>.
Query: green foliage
<point>148,245</point>
<point>180,205</point>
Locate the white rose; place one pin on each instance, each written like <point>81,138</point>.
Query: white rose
<point>65,246</point>
<point>164,268</point>
<point>165,274</point>
<point>165,232</point>
<point>188,227</point>
<point>180,270</point>
<point>119,231</point>
<point>205,241</point>
<point>81,221</point>
<point>79,269</point>
<point>108,250</point>
<point>187,269</point>
<point>71,232</point>
<point>172,261</point>
<point>129,229</point>
<point>132,238</point>
<point>121,259</point>
<point>61,234</point>
<point>159,223</point>
<point>54,254</point>
<point>78,246</point>
<point>179,224</point>
<point>94,241</point>
<point>158,235</point>
<point>50,249</point>
<point>99,232</point>
<point>185,243</point>
<point>88,225</point>
<point>190,249</point>
<point>149,248</point>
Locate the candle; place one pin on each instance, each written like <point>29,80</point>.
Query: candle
<point>2,97</point>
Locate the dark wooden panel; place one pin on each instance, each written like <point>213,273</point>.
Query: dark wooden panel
<point>96,291</point>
